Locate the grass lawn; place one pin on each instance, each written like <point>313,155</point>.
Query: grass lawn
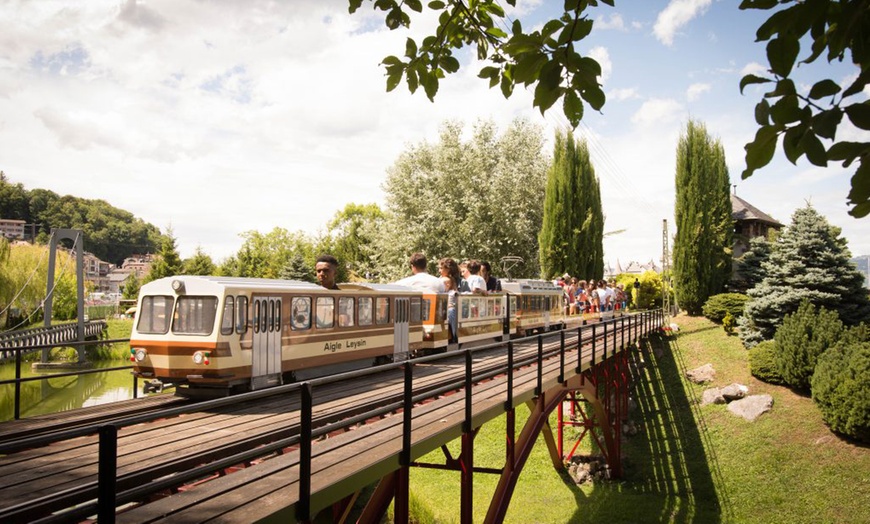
<point>688,463</point>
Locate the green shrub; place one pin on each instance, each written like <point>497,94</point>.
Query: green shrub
<point>762,362</point>
<point>841,389</point>
<point>718,305</point>
<point>802,337</point>
<point>728,323</point>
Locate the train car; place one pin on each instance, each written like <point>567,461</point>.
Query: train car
<point>480,318</point>
<point>225,334</point>
<point>536,305</point>
<point>436,333</point>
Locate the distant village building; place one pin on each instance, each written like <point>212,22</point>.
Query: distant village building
<point>12,229</point>
<point>139,264</point>
<point>633,268</point>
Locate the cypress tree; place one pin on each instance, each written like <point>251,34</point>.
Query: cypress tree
<point>572,232</point>
<point>808,261</point>
<point>702,248</point>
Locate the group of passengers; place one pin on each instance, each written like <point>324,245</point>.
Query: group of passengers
<point>470,276</point>
<point>591,296</point>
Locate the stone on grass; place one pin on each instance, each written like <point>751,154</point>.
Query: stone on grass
<point>734,391</point>
<point>712,396</point>
<point>702,374</point>
<point>752,406</point>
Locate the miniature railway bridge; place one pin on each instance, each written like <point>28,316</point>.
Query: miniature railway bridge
<point>43,338</point>
<point>288,453</point>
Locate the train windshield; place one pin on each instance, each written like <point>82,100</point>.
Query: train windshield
<point>195,315</point>
<point>154,314</point>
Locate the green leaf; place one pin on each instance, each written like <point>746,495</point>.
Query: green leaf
<point>791,144</point>
<point>496,32</point>
<point>507,85</point>
<point>786,111</point>
<point>848,151</point>
<point>391,60</point>
<point>577,31</point>
<point>353,5</point>
<point>760,151</point>
<point>784,87</point>
<point>551,27</point>
<point>859,115</point>
<point>410,48</point>
<point>825,123</point>
<point>393,80</point>
<point>814,149</point>
<point>415,5</point>
<point>573,108</point>
<point>824,88</point>
<point>450,64</point>
<point>436,5</point>
<point>594,96</point>
<point>528,67</point>
<point>781,54</point>
<point>412,80</point>
<point>861,210</point>
<point>762,113</point>
<point>752,79</point>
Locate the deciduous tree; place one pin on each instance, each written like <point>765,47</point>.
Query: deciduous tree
<point>808,121</point>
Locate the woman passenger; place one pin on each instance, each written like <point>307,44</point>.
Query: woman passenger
<point>451,277</point>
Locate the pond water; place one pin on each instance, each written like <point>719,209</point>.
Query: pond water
<point>64,393</point>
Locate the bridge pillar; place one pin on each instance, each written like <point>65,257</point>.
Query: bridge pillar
<point>78,239</point>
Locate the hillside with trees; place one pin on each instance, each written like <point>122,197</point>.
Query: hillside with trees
<point>110,233</point>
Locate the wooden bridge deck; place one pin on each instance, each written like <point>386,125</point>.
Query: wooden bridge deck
<point>268,488</point>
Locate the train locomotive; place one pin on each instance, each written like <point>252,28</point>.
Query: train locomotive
<point>213,336</point>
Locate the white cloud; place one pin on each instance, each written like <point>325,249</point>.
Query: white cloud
<point>696,90</point>
<point>753,68</point>
<point>628,93</point>
<point>614,21</point>
<point>677,14</point>
<point>657,112</point>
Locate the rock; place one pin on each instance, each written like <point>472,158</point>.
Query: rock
<point>734,391</point>
<point>702,374</point>
<point>752,406</point>
<point>712,396</point>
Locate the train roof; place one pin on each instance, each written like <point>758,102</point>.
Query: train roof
<point>529,286</point>
<point>204,284</point>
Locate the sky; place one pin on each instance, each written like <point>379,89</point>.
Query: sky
<point>217,118</point>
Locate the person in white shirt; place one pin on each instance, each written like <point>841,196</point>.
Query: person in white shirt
<point>476,283</point>
<point>420,279</point>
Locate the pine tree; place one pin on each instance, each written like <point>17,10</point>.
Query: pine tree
<point>199,264</point>
<point>749,266</point>
<point>702,248</point>
<point>297,269</point>
<point>572,232</point>
<point>168,262</point>
<point>802,337</point>
<point>808,261</point>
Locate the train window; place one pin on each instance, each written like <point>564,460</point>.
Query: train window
<point>496,309</point>
<point>513,303</point>
<point>383,305</point>
<point>154,314</point>
<point>440,309</point>
<point>345,311</point>
<point>194,315</point>
<point>301,316</point>
<point>241,314</point>
<point>276,316</point>
<point>425,307</point>
<point>325,314</point>
<point>466,310</point>
<point>415,309</point>
<point>364,314</point>
<point>228,316</point>
<point>490,307</point>
<point>256,319</point>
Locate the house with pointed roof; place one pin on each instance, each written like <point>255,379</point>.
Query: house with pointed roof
<point>749,222</point>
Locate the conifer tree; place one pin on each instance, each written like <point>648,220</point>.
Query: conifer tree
<point>168,261</point>
<point>749,266</point>
<point>702,248</point>
<point>809,261</point>
<point>572,232</point>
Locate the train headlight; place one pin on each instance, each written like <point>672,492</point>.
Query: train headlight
<point>138,354</point>
<point>178,286</point>
<point>198,358</point>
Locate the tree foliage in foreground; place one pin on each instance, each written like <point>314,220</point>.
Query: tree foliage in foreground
<point>23,284</point>
<point>809,261</point>
<point>702,247</point>
<point>481,198</point>
<point>545,57</point>
<point>802,337</point>
<point>806,121</point>
<point>841,389</point>
<point>572,233</point>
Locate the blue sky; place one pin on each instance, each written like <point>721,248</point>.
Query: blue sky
<point>222,117</point>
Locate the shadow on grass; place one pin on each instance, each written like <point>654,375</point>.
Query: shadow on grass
<point>670,475</point>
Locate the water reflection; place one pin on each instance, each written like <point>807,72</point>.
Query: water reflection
<point>64,393</point>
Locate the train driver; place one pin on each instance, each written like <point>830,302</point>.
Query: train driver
<point>326,269</point>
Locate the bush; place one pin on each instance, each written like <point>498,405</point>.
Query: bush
<point>762,362</point>
<point>718,305</point>
<point>841,389</point>
<point>728,323</point>
<point>802,337</point>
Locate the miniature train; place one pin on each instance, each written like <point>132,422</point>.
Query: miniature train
<point>212,336</point>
